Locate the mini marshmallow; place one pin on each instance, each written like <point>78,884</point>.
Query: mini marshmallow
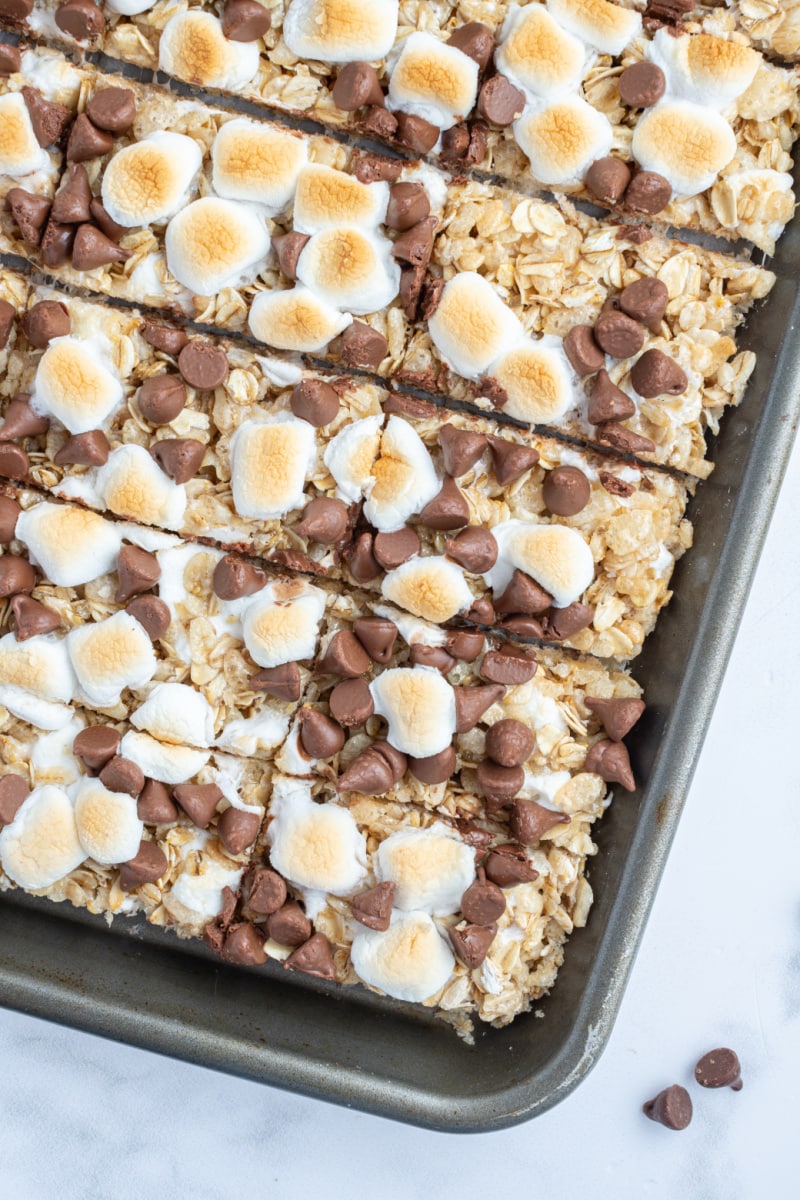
<point>472,326</point>
<point>340,31</point>
<point>605,26</point>
<point>404,477</point>
<point>295,319</point>
<point>685,143</point>
<point>706,70</point>
<point>270,462</point>
<point>316,846</point>
<point>563,139</point>
<point>108,828</point>
<point>201,893</point>
<point>433,80</point>
<point>176,713</point>
<point>74,384</point>
<point>538,55</point>
<point>537,379</point>
<point>325,198</point>
<point>410,961</point>
<point>556,556</point>
<point>20,153</point>
<point>280,628</point>
<point>350,269</point>
<point>71,545</point>
<point>111,655</point>
<point>128,8</point>
<point>131,484</point>
<point>430,868</point>
<point>147,182</point>
<point>40,666</point>
<point>41,845</point>
<point>255,162</point>
<point>214,244</point>
<point>431,587</point>
<point>420,708</point>
<point>257,735</point>
<point>165,763</point>
<point>51,757</point>
<point>350,455</point>
<point>193,47</point>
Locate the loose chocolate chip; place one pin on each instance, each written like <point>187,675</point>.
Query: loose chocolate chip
<point>344,656</point>
<point>509,743</point>
<point>642,85</point>
<point>164,338</point>
<point>199,801</point>
<point>510,460</point>
<point>351,702</point>
<point>314,957</point>
<point>466,645</point>
<point>81,19</point>
<point>104,223</point>
<point>320,736</point>
<point>122,775</point>
<point>607,402</point>
<point>324,521</point>
<point>14,791</point>
<point>56,244</point>
<point>473,702</point>
<point>8,315</point>
<point>635,234</point>
<point>614,485</point>
<point>499,785</point>
<point>148,865</point>
<point>71,204</point>
<point>44,321</point>
<point>460,449</point>
<point>96,746</point>
<point>483,902</point>
<point>380,123</point>
<point>618,716</point>
<point>565,622</point>
<point>179,458</point>
<point>154,805</point>
<point>436,768</point>
<point>611,433</point>
<point>214,937</point>
<point>86,141</point>
<point>412,280</point>
<point>315,401</point>
<point>656,374</point>
<point>14,462</point>
<point>455,142</point>
<point>361,561</point>
<point>21,421</point>
<point>373,908</point>
<point>369,773</point>
<point>203,365</point>
<point>523,595</point>
<point>264,891</point>
<point>446,511</point>
<point>152,614</point>
<point>408,205</point>
<point>415,133</point>
<point>435,657</point>
<point>289,926</point>
<point>672,1107</point>
<point>508,865</point>
<point>476,40</point>
<point>48,119</point>
<point>607,179</point>
<point>283,682</point>
<point>374,168</point>
<point>9,515</point>
<point>92,249</point>
<point>161,398</point>
<point>393,549</point>
<point>566,491</point>
<point>244,943</point>
<point>237,829</point>
<point>84,449</point>
<point>32,618</point>
<point>362,346</point>
<point>415,245</point>
<point>235,577</point>
<point>377,635</point>
<point>499,101</point>
<point>30,213</point>
<point>719,1068</point>
<point>645,300</point>
<point>530,821</point>
<point>245,20</point>
<point>112,109</point>
<point>357,85</point>
<point>138,570</point>
<point>474,549</point>
<point>10,58</point>
<point>618,335</point>
<point>471,943</point>
<point>648,193</point>
<point>506,668</point>
<point>611,762</point>
<point>16,575</point>
<point>582,350</point>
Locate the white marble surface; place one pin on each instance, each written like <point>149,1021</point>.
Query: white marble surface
<point>720,965</point>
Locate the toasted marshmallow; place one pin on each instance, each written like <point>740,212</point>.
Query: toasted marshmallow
<point>472,326</point>
<point>131,484</point>
<point>108,828</point>
<point>326,198</point>
<point>431,587</point>
<point>420,707</point>
<point>316,846</point>
<point>556,556</point>
<point>433,80</point>
<point>281,627</point>
<point>166,763</point>
<point>201,890</point>
<point>295,319</point>
<point>147,182</point>
<point>129,8</point>
<point>193,47</point>
<point>605,26</point>
<point>257,735</point>
<point>340,31</point>
<point>41,845</point>
<point>707,70</point>
<point>40,665</point>
<point>51,757</point>
<point>350,457</point>
<point>685,143</point>
<point>350,269</point>
<point>430,868</point>
<point>176,713</point>
<point>410,961</point>
<point>563,139</point>
<point>20,153</point>
<point>256,162</point>
<point>537,380</point>
<point>109,656</point>
<point>70,544</point>
<point>538,55</point>
<point>404,477</point>
<point>270,462</point>
<point>214,244</point>
<point>75,385</point>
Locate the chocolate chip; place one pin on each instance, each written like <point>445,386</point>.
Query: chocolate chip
<point>48,119</point>
<point>16,575</point>
<point>56,244</point>
<point>645,300</point>
<point>14,462</point>
<point>411,283</point>
<point>357,85</point>
<point>642,85</point>
<point>564,622</point>
<point>71,204</point>
<point>8,315</point>
<point>10,58</point>
<point>179,458</point>
<point>362,346</point>
<point>510,460</point>
<point>377,635</point>
<point>612,434</point>
<point>289,926</point>
<point>30,213</point>
<point>164,338</point>
<point>369,773</point>
<point>410,406</point>
<point>523,595</point>
<point>92,249</point>
<point>582,350</point>
<point>656,374</point>
<point>415,133</point>
<point>607,402</point>
<point>431,295</point>
<point>475,837</point>
<point>314,957</point>
<point>373,168</point>
<point>455,142</point>
<point>138,570</point>
<point>122,775</point>
<point>380,123</point>
<point>263,890</point>
<point>324,521</point>
<point>397,761</point>
<point>393,549</point>
<point>483,902</point>
<point>617,715</point>
<point>152,614</point>
<point>509,743</point>
<point>506,668</point>
<point>566,491</point>
<point>112,109</point>
<point>474,549</point>
<point>436,768</point>
<point>81,19</point>
<point>32,618</point>
<point>235,577</point>
<point>471,943</point>
<point>86,141</point>
<point>460,449</point>
<point>199,801</point>
<point>373,908</point>
<point>161,398</point>
<point>351,702</point>
<point>96,746</point>
<point>508,865</point>
<point>154,805</point>
<point>408,205</point>
<point>415,245</point>
<point>648,193</point>
<point>499,785</point>
<point>44,321</point>
<point>320,736</point>
<point>473,702</point>
<point>315,401</point>
<point>499,101</point>
<point>288,247</point>
<point>448,510</point>
<point>244,944</point>
<point>14,791</point>
<point>719,1068</point>
<point>618,335</point>
<point>476,40</point>
<point>611,762</point>
<point>147,866</point>
<point>237,829</point>
<point>283,682</point>
<point>614,485</point>
<point>104,223</point>
<point>435,657</point>
<point>21,421</point>
<point>672,1107</point>
<point>9,515</point>
<point>465,645</point>
<point>607,179</point>
<point>344,656</point>
<point>245,20</point>
<point>361,560</point>
<point>203,365</point>
<point>530,821</point>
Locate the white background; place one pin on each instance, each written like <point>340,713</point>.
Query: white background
<point>720,965</point>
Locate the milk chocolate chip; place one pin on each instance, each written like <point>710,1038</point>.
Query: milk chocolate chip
<point>435,657</point>
<point>344,656</point>
<point>656,374</point>
<point>10,58</point>
<point>466,645</point>
<point>648,193</point>
<point>324,521</point>
<point>161,398</point>
<point>473,702</point>
<point>374,168</point>
<point>148,865</point>
<point>566,491</point>
<point>104,223</point>
<point>14,791</point>
<point>71,204</point>
<point>154,805</point>
<point>32,618</point>
<point>642,85</point>
<point>471,943</point>
<point>84,449</point>
<point>564,622</point>
<point>237,829</point>
<point>92,249</point>
<point>9,514</point>
<point>351,702</point>
<point>245,20</point>
<point>81,19</point>
<point>122,775</point>
<point>203,365</point>
<point>509,743</point>
<point>179,458</point>
<point>48,119</point>
<point>499,785</point>
<point>30,213</point>
<point>56,244</point>
<point>14,462</point>
<point>112,109</point>
<point>361,560</point>
<point>235,577</point>
<point>582,350</point>
<point>483,902</point>
<point>369,773</point>
<point>152,614</point>
<point>408,205</point>
<point>607,402</point>
<point>530,821</point>
<point>510,460</point>
<point>21,421</point>
<point>379,122</point>
<point>645,300</point>
<point>315,401</point>
<point>362,346</point>
<point>138,570</point>
<point>244,945</point>
<point>523,595</point>
<point>611,762</point>
<point>320,736</point>
<point>357,84</point>
<point>314,957</point>
<point>611,433</point>
<point>86,141</point>
<point>377,635</point>
<point>508,865</point>
<point>607,179</point>
<point>672,1107</point>
<point>199,801</point>
<point>415,245</point>
<point>476,40</point>
<point>448,510</point>
<point>164,338</point>
<point>618,715</point>
<point>16,575</point>
<point>719,1068</point>
<point>499,101</point>
<point>289,926</point>
<point>436,768</point>
<point>474,549</point>
<point>44,321</point>
<point>96,746</point>
<point>507,668</point>
<point>283,682</point>
<point>373,908</point>
<point>391,550</point>
<point>618,335</point>
<point>415,133</point>
<point>460,449</point>
<point>264,891</point>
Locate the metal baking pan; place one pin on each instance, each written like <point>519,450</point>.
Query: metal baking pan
<point>142,986</point>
